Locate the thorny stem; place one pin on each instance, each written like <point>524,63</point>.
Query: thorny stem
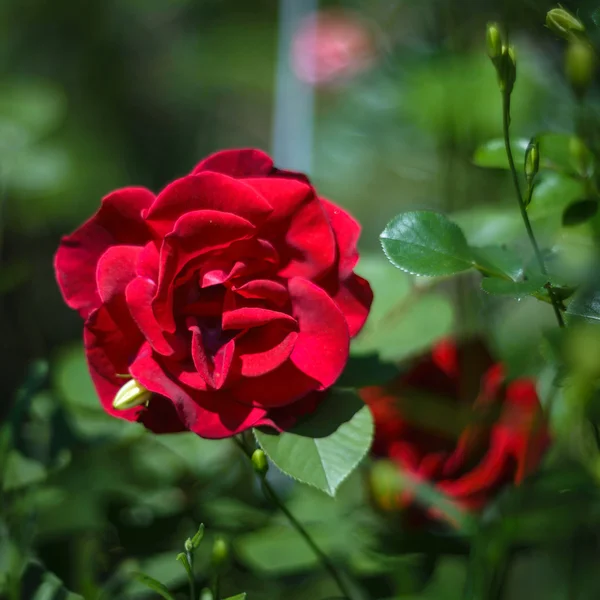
<point>325,561</point>
<point>523,206</point>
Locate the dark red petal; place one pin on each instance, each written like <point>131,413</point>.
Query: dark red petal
<point>207,191</point>
<point>161,417</point>
<point>195,233</point>
<point>354,298</point>
<point>213,368</point>
<point>322,347</point>
<point>248,317</point>
<point>109,350</point>
<point>493,471</point>
<point>264,349</point>
<point>116,268</point>
<point>139,295</point>
<point>347,232</point>
<point>119,221</point>
<point>298,227</point>
<point>284,385</point>
<point>209,414</point>
<point>264,289</point>
<point>247,162</point>
<point>148,262</point>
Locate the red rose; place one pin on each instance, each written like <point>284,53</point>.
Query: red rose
<point>230,295</point>
<point>454,422</point>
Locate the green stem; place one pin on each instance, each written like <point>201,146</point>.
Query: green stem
<point>325,561</point>
<point>190,557</point>
<point>216,592</point>
<point>523,206</point>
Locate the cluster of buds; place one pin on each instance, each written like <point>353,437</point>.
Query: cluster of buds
<point>503,58</point>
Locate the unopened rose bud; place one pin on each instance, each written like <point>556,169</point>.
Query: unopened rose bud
<point>494,41</point>
<point>260,462</point>
<point>532,160</point>
<point>130,395</point>
<point>507,69</point>
<point>220,552</point>
<point>563,23</point>
<point>580,63</point>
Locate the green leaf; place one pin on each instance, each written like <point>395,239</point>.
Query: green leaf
<point>241,596</point>
<point>326,447</point>
<point>366,370</point>
<point>516,289</point>
<point>492,154</point>
<point>21,472</point>
<point>182,558</point>
<point>426,243</point>
<point>554,152</point>
<point>579,212</point>
<point>586,305</point>
<point>498,261</point>
<point>154,585</point>
<point>279,550</point>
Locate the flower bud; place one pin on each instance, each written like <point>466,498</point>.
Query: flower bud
<point>507,69</point>
<point>197,538</point>
<point>188,546</point>
<point>494,41</point>
<point>260,462</point>
<point>532,160</point>
<point>220,552</point>
<point>563,23</point>
<point>130,395</point>
<point>580,63</point>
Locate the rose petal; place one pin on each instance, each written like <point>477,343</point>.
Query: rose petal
<point>118,221</point>
<point>247,162</point>
<point>347,232</point>
<point>298,227</point>
<point>263,349</point>
<point>139,295</point>
<point>116,268</point>
<point>206,191</point>
<point>211,415</point>
<point>322,347</point>
<point>264,289</point>
<point>109,349</point>
<point>195,233</point>
<point>215,367</point>
<point>248,317</point>
<point>354,298</point>
<point>285,385</point>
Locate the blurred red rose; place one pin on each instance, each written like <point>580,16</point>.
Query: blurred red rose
<point>230,296</point>
<point>330,46</point>
<point>454,422</point>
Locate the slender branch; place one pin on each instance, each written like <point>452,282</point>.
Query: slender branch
<point>190,557</point>
<point>325,561</point>
<point>216,592</point>
<point>523,206</point>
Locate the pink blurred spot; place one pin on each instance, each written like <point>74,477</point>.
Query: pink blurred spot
<point>331,46</point>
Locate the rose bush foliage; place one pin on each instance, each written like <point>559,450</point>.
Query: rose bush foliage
<point>452,420</point>
<point>230,296</point>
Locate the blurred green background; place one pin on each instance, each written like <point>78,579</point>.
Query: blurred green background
<point>104,94</point>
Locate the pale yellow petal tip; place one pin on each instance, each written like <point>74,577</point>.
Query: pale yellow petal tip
<point>130,395</point>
